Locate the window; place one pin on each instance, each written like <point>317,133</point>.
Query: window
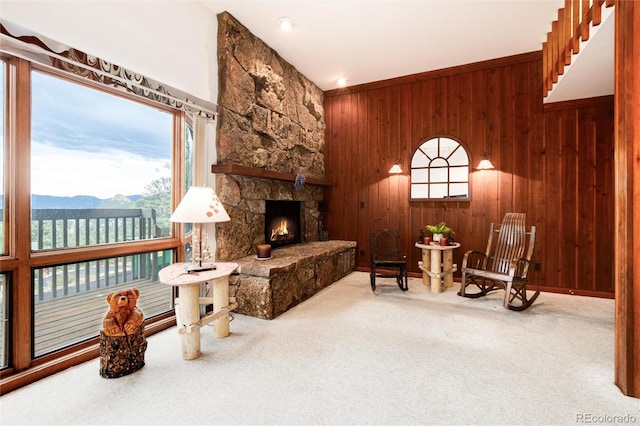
<point>92,157</point>
<point>101,174</point>
<point>105,158</point>
<point>440,170</point>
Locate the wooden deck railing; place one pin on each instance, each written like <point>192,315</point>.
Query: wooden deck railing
<point>571,27</point>
<point>64,228</point>
<point>70,299</point>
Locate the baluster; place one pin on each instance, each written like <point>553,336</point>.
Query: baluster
<point>40,280</point>
<point>65,280</point>
<point>40,235</point>
<point>576,26</point>
<point>65,224</point>
<point>584,27</point>
<point>568,32</point>
<point>560,42</point>
<point>87,275</point>
<point>77,276</point>
<point>54,233</point>
<point>54,281</point>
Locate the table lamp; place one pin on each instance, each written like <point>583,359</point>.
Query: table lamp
<point>200,205</point>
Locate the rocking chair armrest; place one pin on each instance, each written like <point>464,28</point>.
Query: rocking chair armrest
<point>519,268</point>
<point>474,259</point>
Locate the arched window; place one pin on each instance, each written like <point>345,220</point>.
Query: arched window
<point>440,170</point>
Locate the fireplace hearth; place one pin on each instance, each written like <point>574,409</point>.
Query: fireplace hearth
<point>282,223</point>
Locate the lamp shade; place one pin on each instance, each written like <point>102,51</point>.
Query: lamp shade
<point>485,164</point>
<point>200,205</point>
<point>396,169</point>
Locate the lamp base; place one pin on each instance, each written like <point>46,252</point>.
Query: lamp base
<point>198,268</point>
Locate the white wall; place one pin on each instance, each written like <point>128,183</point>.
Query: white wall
<point>173,42</point>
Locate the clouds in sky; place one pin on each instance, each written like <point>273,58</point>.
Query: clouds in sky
<point>86,142</point>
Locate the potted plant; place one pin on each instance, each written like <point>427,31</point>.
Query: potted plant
<point>439,231</point>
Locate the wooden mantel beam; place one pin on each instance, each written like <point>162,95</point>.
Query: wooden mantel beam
<point>238,169</point>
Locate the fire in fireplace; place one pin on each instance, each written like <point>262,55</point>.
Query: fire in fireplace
<point>282,224</point>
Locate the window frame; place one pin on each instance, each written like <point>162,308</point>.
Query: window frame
<point>418,151</point>
<point>19,261</point>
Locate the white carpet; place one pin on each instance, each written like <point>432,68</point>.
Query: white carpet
<point>351,356</point>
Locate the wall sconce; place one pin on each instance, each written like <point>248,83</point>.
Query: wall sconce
<point>396,169</point>
<point>485,163</point>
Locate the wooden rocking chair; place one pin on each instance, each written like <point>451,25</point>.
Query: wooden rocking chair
<point>504,265</point>
<point>386,258</point>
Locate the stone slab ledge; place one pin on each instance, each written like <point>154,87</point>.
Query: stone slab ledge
<point>289,258</point>
<point>267,288</point>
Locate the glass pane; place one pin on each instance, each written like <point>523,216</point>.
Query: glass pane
<point>439,162</point>
<point>459,174</point>
<point>3,248</point>
<point>420,175</point>
<point>4,316</point>
<point>419,191</point>
<point>439,175</point>
<point>447,146</point>
<point>438,190</point>
<point>70,300</point>
<point>101,166</point>
<point>430,148</point>
<point>459,190</point>
<point>419,159</point>
<point>459,158</point>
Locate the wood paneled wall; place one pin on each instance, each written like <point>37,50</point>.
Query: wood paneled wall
<point>545,165</point>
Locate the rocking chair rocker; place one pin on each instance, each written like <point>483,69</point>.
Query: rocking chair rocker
<point>502,266</point>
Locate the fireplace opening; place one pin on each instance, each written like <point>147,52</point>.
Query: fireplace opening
<point>282,224</point>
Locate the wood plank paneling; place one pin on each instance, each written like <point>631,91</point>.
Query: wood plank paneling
<point>544,159</point>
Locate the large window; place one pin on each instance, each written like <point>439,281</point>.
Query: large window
<point>95,152</point>
<point>440,170</point>
<point>100,174</point>
<point>88,175</point>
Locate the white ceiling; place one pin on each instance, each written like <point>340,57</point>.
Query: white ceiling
<point>372,40</point>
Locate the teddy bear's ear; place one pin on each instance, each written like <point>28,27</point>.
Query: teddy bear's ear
<point>109,297</point>
<point>135,291</point>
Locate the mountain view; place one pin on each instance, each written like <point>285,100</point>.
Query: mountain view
<point>82,202</point>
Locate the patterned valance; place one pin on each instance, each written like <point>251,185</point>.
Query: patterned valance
<point>26,44</point>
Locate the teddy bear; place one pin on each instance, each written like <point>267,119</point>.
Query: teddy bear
<point>123,317</point>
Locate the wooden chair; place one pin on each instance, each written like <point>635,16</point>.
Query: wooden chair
<point>504,265</point>
<point>386,259</point>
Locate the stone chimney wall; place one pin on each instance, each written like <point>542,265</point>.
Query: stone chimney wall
<point>270,117</point>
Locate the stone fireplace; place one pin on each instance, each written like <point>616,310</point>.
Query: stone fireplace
<point>270,131</point>
<point>270,148</point>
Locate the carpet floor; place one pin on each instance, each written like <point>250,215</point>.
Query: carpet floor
<point>352,356</point>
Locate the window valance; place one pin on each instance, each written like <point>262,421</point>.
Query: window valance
<point>28,45</point>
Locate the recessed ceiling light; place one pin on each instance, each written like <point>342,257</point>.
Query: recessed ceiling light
<point>286,24</point>
<point>342,82</point>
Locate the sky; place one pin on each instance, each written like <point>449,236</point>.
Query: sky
<point>85,142</point>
